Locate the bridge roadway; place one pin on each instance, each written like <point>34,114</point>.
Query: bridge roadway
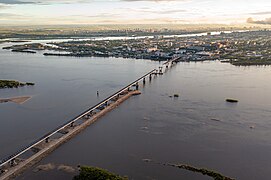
<point>9,162</point>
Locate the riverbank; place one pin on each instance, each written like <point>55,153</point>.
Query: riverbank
<point>251,63</point>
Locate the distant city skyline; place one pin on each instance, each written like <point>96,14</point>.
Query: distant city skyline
<point>50,12</point>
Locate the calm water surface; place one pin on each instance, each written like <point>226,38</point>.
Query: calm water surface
<point>151,126</point>
<point>64,88</point>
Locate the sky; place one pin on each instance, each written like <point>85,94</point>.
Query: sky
<point>51,12</point>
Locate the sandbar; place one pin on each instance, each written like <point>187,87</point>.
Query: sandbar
<point>17,100</point>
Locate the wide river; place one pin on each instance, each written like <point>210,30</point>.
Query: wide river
<point>151,126</point>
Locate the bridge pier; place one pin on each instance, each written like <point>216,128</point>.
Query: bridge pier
<point>114,99</point>
<point>144,81</point>
<point>137,86</point>
<point>160,70</point>
<point>12,162</point>
<point>150,77</point>
<point>35,149</point>
<point>72,124</point>
<point>1,170</point>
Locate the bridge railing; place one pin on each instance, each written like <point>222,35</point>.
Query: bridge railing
<point>56,130</point>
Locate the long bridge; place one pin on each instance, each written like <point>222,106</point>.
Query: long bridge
<point>15,163</point>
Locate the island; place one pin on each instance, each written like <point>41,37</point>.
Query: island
<point>93,173</point>
<point>14,84</point>
<point>213,174</point>
<point>27,48</point>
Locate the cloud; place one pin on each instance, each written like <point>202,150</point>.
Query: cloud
<point>261,13</point>
<point>10,15</point>
<point>7,17</point>
<point>153,0</point>
<point>160,11</point>
<point>100,15</point>
<point>3,6</point>
<point>265,21</point>
<point>71,1</point>
<point>14,2</point>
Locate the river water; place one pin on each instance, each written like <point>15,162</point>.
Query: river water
<point>64,88</point>
<point>151,126</point>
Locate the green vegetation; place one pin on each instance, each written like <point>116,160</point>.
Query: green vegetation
<point>210,173</point>
<point>13,84</point>
<point>30,84</point>
<point>9,84</point>
<point>93,173</point>
<point>213,174</point>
